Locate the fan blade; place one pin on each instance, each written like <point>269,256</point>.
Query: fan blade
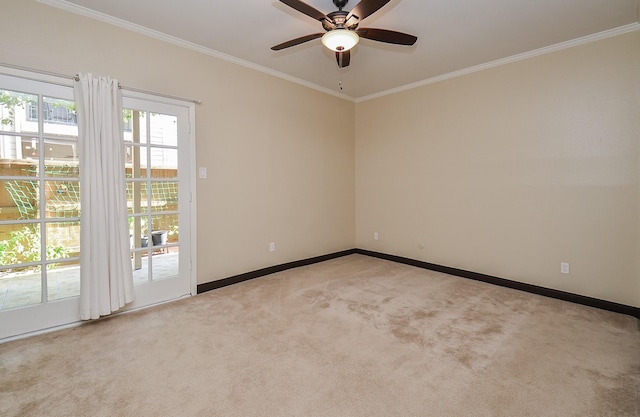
<point>366,8</point>
<point>388,36</point>
<point>297,41</point>
<point>343,58</point>
<point>303,7</point>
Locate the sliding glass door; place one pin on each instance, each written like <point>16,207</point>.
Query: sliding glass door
<point>40,213</point>
<point>158,198</point>
<point>39,206</point>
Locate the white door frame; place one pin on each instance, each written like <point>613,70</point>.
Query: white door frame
<point>186,171</point>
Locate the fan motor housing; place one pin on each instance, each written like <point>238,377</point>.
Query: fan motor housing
<point>340,3</point>
<point>339,20</point>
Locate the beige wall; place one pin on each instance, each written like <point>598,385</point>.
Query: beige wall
<point>512,170</point>
<point>276,172</point>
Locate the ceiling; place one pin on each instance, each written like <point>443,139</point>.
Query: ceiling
<point>453,35</point>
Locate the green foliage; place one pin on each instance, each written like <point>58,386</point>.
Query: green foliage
<point>56,252</point>
<point>23,246</point>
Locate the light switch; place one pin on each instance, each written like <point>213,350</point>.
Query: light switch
<point>202,172</point>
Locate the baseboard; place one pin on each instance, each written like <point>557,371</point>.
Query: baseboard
<point>208,286</point>
<point>503,282</point>
<point>534,289</point>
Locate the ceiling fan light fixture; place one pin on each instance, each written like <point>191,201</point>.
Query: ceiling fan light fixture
<point>340,40</point>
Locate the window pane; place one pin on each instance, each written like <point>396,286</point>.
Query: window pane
<point>138,231</point>
<point>165,265</point>
<point>20,287</point>
<point>63,280</point>
<point>62,199</point>
<point>127,124</point>
<point>164,195</point>
<point>18,111</point>
<point>128,161</point>
<point>19,155</point>
<point>165,173</point>
<point>18,200</point>
<point>141,271</point>
<point>63,240</point>
<point>159,237</point>
<point>141,242</point>
<point>166,229</point>
<point>59,117</point>
<point>62,170</point>
<point>61,157</point>
<point>164,163</point>
<point>19,243</point>
<point>134,132</point>
<point>135,161</point>
<point>137,197</point>
<point>164,129</point>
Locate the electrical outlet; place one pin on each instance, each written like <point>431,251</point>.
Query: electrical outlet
<point>375,236</point>
<point>272,247</point>
<point>564,267</point>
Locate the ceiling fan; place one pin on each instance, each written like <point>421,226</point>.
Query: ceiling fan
<point>342,32</point>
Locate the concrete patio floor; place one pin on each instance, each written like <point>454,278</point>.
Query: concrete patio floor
<point>23,289</point>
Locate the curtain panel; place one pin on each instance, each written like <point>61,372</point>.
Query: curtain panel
<point>106,278</point>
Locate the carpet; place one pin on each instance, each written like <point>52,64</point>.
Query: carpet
<point>353,336</point>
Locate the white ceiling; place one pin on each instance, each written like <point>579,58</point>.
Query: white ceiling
<point>453,35</point>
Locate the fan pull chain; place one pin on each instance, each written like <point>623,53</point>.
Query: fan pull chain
<point>340,82</point>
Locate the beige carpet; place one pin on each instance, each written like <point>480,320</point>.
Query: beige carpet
<point>355,336</point>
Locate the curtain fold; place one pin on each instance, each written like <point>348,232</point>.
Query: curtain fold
<point>106,278</point>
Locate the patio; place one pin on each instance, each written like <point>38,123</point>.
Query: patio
<point>24,289</point>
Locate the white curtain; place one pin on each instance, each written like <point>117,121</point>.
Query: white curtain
<point>106,278</point>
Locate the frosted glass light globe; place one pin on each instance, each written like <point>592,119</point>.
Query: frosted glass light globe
<point>340,40</point>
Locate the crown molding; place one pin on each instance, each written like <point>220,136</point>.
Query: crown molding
<point>503,61</point>
<point>92,14</point>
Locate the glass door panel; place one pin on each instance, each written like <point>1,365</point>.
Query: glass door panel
<point>39,206</point>
<point>154,145</point>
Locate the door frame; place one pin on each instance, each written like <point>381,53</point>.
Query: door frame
<point>131,98</point>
